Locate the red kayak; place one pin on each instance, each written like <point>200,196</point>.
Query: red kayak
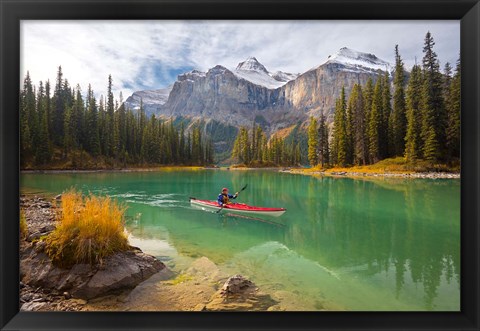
<point>240,208</point>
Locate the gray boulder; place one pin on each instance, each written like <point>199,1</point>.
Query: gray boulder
<point>123,270</point>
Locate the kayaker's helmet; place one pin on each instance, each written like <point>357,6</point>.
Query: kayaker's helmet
<point>224,189</point>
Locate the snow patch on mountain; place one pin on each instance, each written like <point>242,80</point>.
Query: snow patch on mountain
<point>191,75</point>
<point>256,73</point>
<point>150,97</point>
<point>284,76</point>
<point>356,61</point>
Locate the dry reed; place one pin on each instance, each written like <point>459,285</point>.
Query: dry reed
<point>89,228</point>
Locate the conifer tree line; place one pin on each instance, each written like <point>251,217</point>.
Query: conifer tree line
<point>254,149</point>
<point>420,121</point>
<point>63,124</point>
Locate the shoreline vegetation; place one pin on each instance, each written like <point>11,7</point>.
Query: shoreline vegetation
<point>393,167</point>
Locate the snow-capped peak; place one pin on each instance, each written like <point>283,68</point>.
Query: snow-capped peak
<point>358,60</point>
<point>255,72</point>
<point>251,64</point>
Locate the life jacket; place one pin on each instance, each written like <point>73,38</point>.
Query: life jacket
<point>226,199</point>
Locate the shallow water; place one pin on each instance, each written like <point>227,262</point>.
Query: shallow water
<point>346,244</point>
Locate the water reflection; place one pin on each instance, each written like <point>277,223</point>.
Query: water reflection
<point>372,227</point>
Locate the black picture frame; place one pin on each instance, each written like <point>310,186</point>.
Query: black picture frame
<point>12,11</point>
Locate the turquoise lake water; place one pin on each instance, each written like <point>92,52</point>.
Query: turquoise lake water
<point>346,244</point>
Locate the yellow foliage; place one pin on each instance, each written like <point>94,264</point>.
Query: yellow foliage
<point>399,165</point>
<point>391,165</point>
<point>89,228</point>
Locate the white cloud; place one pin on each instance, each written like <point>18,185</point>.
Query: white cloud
<point>144,54</point>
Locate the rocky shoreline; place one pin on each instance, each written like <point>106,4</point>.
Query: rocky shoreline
<point>130,280</point>
<point>425,175</point>
<point>45,286</point>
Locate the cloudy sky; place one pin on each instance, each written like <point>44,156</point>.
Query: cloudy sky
<point>150,54</point>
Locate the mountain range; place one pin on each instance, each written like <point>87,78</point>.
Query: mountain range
<point>238,96</point>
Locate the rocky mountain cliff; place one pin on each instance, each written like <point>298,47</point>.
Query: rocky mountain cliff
<point>222,95</point>
<point>238,96</point>
<point>316,90</point>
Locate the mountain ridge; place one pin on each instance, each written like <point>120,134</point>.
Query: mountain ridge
<point>237,96</point>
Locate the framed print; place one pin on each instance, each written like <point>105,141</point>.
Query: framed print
<point>247,165</point>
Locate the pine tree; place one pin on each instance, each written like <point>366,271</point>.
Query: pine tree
<point>385,141</point>
<point>92,129</point>
<point>67,137</point>
<point>453,115</point>
<point>76,120</point>
<point>59,109</point>
<point>142,120</point>
<point>447,82</point>
<point>265,150</point>
<point>339,131</point>
<point>324,150</point>
<point>350,128</point>
<point>146,150</point>
<point>181,147</point>
<point>367,105</point>
<point>121,130</point>
<point>42,153</point>
<point>357,110</point>
<point>110,127</point>
<point>130,143</point>
<point>103,128</point>
<point>189,148</point>
<point>374,125</point>
<point>209,152</point>
<point>297,156</point>
<point>313,142</point>
<point>116,136</point>
<point>261,143</point>
<point>244,145</point>
<point>48,109</point>
<point>197,155</point>
<point>433,110</point>
<point>32,114</point>
<point>399,126</point>
<point>173,141</point>
<point>27,109</point>
<point>413,142</point>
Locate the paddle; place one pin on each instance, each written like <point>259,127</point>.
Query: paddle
<point>243,188</point>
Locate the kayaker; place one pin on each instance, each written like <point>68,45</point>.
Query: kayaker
<point>224,197</point>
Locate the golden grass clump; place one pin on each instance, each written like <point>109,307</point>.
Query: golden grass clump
<point>398,165</point>
<point>23,225</point>
<point>89,229</point>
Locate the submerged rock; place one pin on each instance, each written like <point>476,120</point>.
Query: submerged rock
<point>240,294</point>
<point>237,285</point>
